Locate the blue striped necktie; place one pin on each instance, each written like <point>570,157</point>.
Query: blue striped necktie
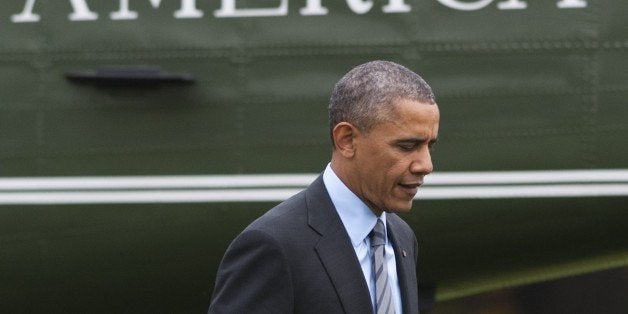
<point>383,295</point>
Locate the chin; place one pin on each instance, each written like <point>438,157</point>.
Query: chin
<point>400,208</point>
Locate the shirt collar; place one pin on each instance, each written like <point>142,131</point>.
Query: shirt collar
<point>357,218</point>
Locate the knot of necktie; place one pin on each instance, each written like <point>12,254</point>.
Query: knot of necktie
<point>378,234</point>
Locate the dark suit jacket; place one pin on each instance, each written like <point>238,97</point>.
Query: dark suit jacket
<point>297,258</point>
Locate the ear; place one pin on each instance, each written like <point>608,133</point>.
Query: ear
<point>344,135</point>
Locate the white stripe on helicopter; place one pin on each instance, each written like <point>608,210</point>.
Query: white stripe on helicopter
<point>278,187</point>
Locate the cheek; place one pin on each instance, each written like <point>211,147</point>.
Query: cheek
<point>383,167</point>
<point>391,176</point>
<point>398,167</point>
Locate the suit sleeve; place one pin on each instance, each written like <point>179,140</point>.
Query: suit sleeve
<point>253,277</point>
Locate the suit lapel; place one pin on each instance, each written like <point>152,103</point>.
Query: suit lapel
<point>406,266</point>
<point>335,251</point>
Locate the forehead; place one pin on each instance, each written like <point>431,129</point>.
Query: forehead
<point>409,107</point>
<point>412,116</point>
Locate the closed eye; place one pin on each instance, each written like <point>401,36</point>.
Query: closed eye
<point>407,147</point>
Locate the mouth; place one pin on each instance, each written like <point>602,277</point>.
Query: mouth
<point>410,188</point>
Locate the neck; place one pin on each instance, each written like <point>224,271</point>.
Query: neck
<point>342,171</point>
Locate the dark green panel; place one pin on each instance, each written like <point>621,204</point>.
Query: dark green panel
<point>276,78</point>
<point>612,112</point>
<point>504,73</point>
<point>506,116</point>
<point>508,154</point>
<point>374,27</point>
<point>281,124</point>
<point>613,69</point>
<point>144,129</point>
<point>19,38</point>
<point>99,259</point>
<point>216,80</point>
<point>541,21</point>
<point>143,258</point>
<point>489,242</point>
<point>20,96</point>
<point>19,84</point>
<point>612,129</point>
<point>611,19</point>
<point>146,162</point>
<point>514,133</point>
<point>281,159</point>
<point>18,131</point>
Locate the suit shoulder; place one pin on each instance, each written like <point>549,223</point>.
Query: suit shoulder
<point>401,226</point>
<point>292,211</point>
<point>396,221</point>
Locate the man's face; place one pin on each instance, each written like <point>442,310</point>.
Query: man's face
<point>394,156</point>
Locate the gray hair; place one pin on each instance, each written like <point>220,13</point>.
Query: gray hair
<point>364,96</point>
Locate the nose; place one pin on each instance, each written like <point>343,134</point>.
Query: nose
<point>421,163</point>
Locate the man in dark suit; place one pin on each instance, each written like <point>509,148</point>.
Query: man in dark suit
<point>338,246</point>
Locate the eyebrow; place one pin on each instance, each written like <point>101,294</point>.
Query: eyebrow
<point>417,140</point>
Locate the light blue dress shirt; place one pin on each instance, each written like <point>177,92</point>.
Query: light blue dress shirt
<point>359,220</point>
